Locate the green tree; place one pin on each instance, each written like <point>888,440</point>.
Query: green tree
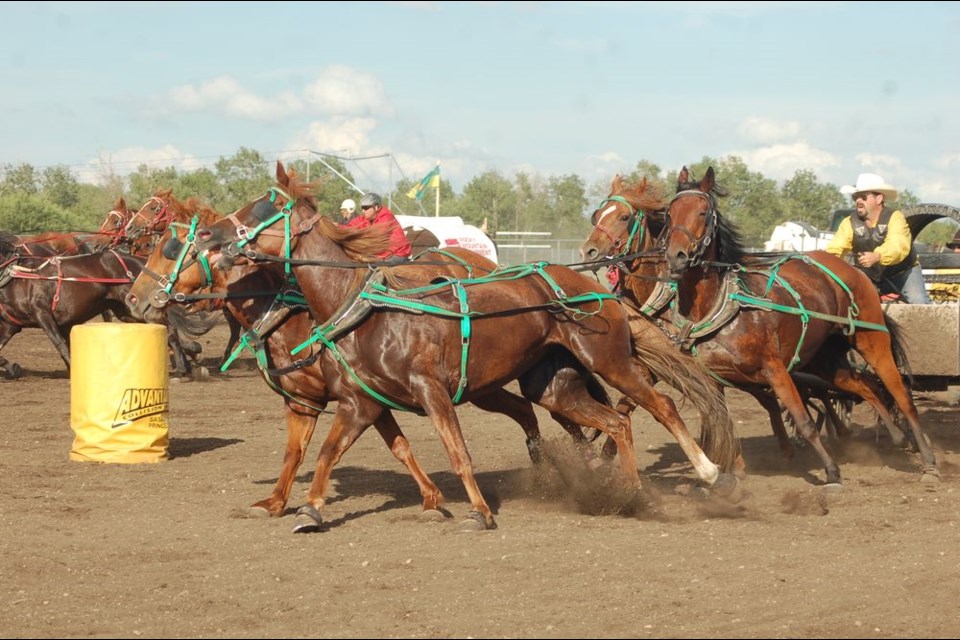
<point>805,199</point>
<point>489,197</point>
<point>59,186</point>
<point>22,178</point>
<point>26,213</point>
<point>243,177</point>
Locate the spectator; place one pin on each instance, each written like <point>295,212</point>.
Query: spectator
<point>880,240</point>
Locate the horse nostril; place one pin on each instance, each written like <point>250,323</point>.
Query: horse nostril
<point>203,234</point>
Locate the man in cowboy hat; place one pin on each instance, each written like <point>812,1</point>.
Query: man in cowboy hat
<point>880,239</point>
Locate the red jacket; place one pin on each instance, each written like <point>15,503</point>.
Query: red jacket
<point>399,245</point>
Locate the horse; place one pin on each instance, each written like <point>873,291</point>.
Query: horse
<point>276,321</point>
<point>59,292</point>
<point>793,310</point>
<point>626,228</point>
<point>457,340</point>
<point>145,226</point>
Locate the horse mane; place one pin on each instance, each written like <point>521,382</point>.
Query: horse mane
<point>645,196</point>
<point>360,245</point>
<point>729,240</point>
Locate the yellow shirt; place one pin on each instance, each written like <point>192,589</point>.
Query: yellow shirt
<point>895,247</point>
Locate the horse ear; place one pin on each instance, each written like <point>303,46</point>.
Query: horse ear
<point>683,176</point>
<point>616,184</point>
<point>121,204</point>
<point>283,178</point>
<point>708,181</point>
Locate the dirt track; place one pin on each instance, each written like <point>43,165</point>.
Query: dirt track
<point>166,550</point>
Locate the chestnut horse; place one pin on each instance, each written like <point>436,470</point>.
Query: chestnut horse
<point>435,347</point>
<point>276,322</point>
<point>791,311</point>
<point>626,229</point>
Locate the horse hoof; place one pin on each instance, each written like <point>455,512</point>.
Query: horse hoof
<point>832,486</point>
<point>930,476</point>
<point>432,515</point>
<point>729,487</point>
<point>201,373</point>
<point>474,521</point>
<point>15,371</point>
<point>257,511</point>
<point>308,520</point>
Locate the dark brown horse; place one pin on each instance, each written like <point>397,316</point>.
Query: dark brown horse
<point>434,348</point>
<point>791,312</point>
<point>277,321</point>
<point>59,292</point>
<point>626,229</point>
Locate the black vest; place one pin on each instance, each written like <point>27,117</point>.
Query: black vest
<point>867,239</point>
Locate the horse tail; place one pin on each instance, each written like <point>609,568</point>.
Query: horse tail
<point>194,324</point>
<point>899,348</point>
<point>666,362</point>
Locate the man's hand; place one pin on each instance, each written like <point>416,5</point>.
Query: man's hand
<point>868,258</point>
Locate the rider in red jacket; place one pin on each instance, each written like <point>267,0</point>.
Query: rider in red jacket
<point>372,212</point>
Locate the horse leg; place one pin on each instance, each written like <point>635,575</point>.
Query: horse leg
<point>772,407</point>
<point>7,331</point>
<point>235,330</point>
<point>399,446</point>
<point>181,366</point>
<point>852,382</point>
<point>439,407</point>
<point>301,422</point>
<point>782,384</point>
<point>351,420</point>
<point>631,380</point>
<point>874,347</point>
<point>49,325</point>
<point>521,412</point>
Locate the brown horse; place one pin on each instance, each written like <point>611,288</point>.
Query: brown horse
<point>276,322</point>
<point>790,312</point>
<point>431,349</point>
<point>59,293</point>
<point>145,227</point>
<point>626,228</point>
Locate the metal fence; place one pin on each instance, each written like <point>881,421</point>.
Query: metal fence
<point>523,248</point>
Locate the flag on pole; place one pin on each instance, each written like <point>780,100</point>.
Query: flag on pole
<point>431,180</point>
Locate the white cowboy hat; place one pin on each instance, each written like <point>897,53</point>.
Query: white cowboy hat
<point>867,182</point>
<point>348,205</point>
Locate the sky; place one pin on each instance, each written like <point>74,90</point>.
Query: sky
<point>547,88</point>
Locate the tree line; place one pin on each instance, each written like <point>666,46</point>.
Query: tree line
<point>52,199</point>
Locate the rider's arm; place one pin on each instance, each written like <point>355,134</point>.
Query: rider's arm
<point>896,246</point>
<point>842,240</point>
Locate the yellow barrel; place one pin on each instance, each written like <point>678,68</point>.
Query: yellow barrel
<point>119,392</point>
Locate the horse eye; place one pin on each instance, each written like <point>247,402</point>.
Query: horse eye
<point>171,249</point>
<point>263,210</point>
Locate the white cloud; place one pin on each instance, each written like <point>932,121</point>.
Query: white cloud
<point>878,162</point>
<point>338,136</point>
<point>225,95</point>
<point>767,130</point>
<point>340,90</point>
<point>781,161</point>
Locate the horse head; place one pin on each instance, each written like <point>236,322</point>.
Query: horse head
<point>696,232</point>
<point>116,221</point>
<point>275,223</point>
<point>175,269</point>
<point>625,222</point>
